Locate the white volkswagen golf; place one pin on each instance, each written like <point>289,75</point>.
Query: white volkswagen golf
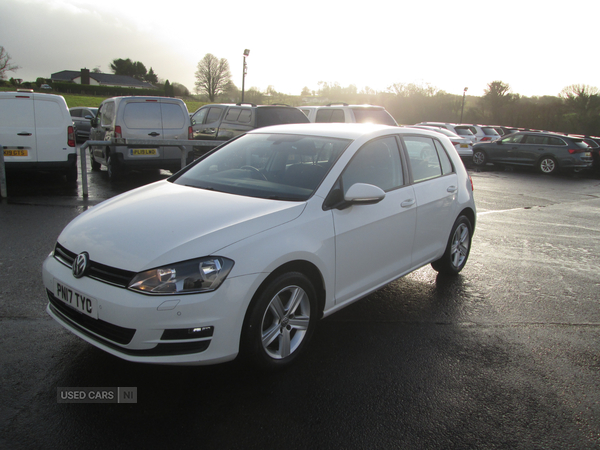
<point>241,252</point>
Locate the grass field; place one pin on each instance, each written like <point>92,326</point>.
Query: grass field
<point>94,101</point>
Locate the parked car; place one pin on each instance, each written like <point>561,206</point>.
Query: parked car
<point>462,131</point>
<point>37,133</point>
<point>222,122</point>
<point>503,131</point>
<point>241,252</point>
<point>345,113</point>
<point>484,133</point>
<point>548,152</point>
<point>594,143</point>
<point>149,118</point>
<point>463,145</point>
<point>46,86</point>
<point>82,118</point>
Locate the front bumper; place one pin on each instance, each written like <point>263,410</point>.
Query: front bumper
<point>187,329</point>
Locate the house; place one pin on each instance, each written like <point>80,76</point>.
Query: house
<point>84,76</point>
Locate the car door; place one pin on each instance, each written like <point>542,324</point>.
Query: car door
<point>206,121</point>
<point>435,189</point>
<point>51,124</point>
<point>531,148</point>
<point>17,128</point>
<point>374,242</point>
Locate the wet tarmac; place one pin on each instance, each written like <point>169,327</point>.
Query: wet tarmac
<point>507,355</point>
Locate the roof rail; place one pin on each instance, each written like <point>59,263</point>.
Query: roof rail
<point>245,103</point>
<point>338,103</point>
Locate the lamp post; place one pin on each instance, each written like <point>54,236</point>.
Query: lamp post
<point>463,104</point>
<point>246,53</point>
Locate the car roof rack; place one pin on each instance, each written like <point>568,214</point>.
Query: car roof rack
<point>245,103</point>
<point>338,104</point>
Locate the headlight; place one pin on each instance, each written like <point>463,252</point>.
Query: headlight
<point>197,275</point>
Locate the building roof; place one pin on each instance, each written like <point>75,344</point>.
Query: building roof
<point>104,79</point>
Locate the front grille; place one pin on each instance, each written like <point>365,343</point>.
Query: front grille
<point>97,271</point>
<point>107,330</point>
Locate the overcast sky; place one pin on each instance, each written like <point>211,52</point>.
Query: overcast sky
<point>538,48</point>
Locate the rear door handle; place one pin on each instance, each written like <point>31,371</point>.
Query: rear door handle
<point>24,133</point>
<point>408,203</point>
<point>451,189</point>
<point>154,133</point>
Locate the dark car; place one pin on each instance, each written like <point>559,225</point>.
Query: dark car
<point>548,152</point>
<point>222,122</point>
<point>594,143</point>
<point>82,117</point>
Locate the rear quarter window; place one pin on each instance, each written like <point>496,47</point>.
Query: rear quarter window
<point>373,115</point>
<point>278,116</point>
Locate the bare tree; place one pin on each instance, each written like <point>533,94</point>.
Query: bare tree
<point>213,76</point>
<point>5,65</point>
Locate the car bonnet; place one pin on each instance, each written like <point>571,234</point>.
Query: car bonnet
<point>165,223</point>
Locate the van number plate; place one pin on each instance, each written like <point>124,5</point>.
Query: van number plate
<point>143,152</point>
<point>16,152</point>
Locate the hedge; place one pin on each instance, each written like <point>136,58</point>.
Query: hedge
<point>108,91</point>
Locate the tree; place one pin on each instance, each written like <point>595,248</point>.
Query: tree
<point>497,97</point>
<point>5,64</point>
<point>583,106</point>
<point>213,76</point>
<point>129,68</point>
<point>151,77</point>
<point>168,89</point>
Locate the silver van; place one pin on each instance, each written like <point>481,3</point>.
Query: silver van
<point>148,118</point>
<point>37,133</point>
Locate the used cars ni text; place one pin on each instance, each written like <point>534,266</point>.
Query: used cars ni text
<point>241,252</point>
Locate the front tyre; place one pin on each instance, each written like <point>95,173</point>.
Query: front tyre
<point>280,321</point>
<point>458,248</point>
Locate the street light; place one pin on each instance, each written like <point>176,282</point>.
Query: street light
<point>246,53</point>
<point>463,104</point>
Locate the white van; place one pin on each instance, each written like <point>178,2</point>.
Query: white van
<point>148,118</point>
<point>37,133</point>
<point>345,113</point>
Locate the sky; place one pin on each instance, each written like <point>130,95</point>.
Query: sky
<point>538,48</point>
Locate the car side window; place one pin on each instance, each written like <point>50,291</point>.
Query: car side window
<point>378,163</point>
<point>444,158</point>
<point>199,116</point>
<point>555,141</point>
<point>75,113</point>
<point>108,113</point>
<point>330,116</point>
<point>424,159</point>
<point>213,115</point>
<point>513,139</point>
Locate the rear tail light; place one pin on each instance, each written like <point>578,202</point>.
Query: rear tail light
<point>486,139</point>
<point>471,180</point>
<point>577,150</point>
<point>190,133</point>
<point>71,136</point>
<point>118,134</point>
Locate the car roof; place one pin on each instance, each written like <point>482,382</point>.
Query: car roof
<point>339,130</point>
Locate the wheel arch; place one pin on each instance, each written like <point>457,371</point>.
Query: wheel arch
<point>306,268</point>
<point>469,214</point>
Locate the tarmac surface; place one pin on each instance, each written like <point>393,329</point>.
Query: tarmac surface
<point>505,356</point>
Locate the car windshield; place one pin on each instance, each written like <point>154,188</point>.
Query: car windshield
<point>273,166</point>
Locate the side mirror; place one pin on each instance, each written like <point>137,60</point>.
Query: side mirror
<point>94,122</point>
<point>364,194</point>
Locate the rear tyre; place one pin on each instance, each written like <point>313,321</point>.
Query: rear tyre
<point>458,248</point>
<point>112,168</point>
<point>479,158</point>
<point>280,321</point>
<point>548,165</point>
<point>96,166</point>
<point>71,174</point>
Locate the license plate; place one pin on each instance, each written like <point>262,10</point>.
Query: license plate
<point>143,152</point>
<point>588,154</point>
<point>19,152</point>
<point>75,299</point>
<point>464,145</point>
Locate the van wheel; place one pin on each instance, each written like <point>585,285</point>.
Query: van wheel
<point>280,321</point>
<point>71,174</point>
<point>96,166</point>
<point>112,168</point>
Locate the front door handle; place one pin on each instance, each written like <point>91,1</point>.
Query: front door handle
<point>408,203</point>
<point>451,189</point>
<point>154,133</point>
<point>24,133</point>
